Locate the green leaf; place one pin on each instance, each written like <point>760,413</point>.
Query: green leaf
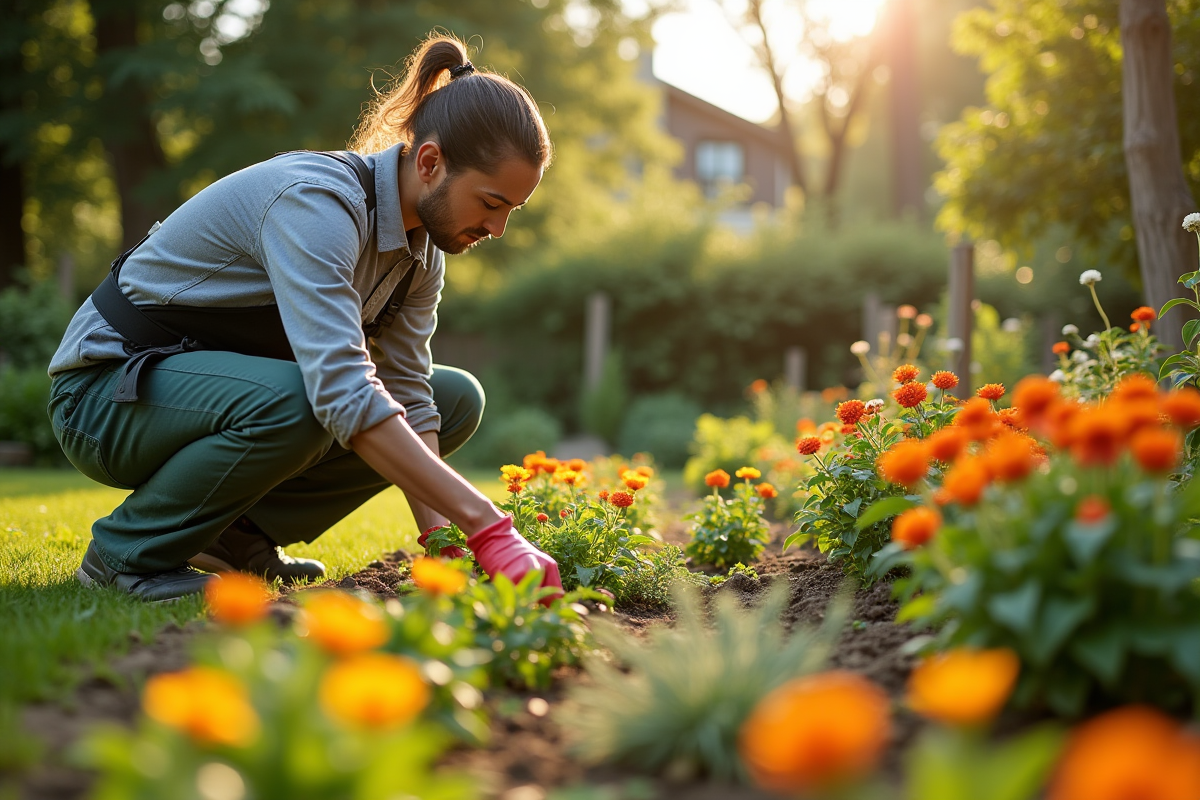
<point>884,559</point>
<point>797,538</point>
<point>1017,609</point>
<point>1018,769</point>
<point>1059,618</point>
<point>918,608</point>
<point>852,507</point>
<point>585,575</point>
<point>1066,692</point>
<point>1178,301</point>
<point>1185,653</point>
<point>1085,540</point>
<point>882,509</point>
<point>1190,329</point>
<point>1102,653</point>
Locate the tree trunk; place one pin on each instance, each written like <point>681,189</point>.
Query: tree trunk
<point>12,174</point>
<point>1158,191</point>
<point>787,134</point>
<point>132,146</point>
<point>837,133</point>
<point>899,26</point>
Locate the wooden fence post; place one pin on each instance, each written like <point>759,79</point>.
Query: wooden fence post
<point>961,295</point>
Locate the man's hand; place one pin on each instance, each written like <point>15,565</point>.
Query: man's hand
<point>500,550</point>
<point>450,551</point>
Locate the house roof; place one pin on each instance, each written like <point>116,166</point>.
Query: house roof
<point>768,137</point>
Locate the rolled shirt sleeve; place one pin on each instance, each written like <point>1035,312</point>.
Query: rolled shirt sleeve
<point>402,350</point>
<point>310,240</point>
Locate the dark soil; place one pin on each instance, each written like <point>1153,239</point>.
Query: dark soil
<point>528,754</point>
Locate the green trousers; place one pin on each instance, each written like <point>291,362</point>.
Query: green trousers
<point>218,435</point>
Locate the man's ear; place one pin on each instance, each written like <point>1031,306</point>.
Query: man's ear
<point>429,161</point>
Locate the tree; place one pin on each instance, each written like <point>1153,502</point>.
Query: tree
<point>1047,156</point>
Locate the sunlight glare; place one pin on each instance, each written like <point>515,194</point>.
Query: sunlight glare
<point>847,18</point>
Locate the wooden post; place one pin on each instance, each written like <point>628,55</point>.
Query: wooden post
<point>961,295</point>
<point>795,364</point>
<point>66,277</point>
<point>870,320</point>
<point>1051,332</point>
<point>596,333</point>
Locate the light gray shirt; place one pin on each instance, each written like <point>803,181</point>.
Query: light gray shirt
<point>294,231</point>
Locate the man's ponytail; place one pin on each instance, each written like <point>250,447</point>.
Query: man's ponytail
<point>478,117</point>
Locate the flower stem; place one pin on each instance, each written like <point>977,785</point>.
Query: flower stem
<point>1096,300</point>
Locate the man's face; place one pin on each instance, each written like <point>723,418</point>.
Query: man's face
<point>458,211</point>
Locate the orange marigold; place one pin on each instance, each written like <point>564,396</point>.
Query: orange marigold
<point>816,731</point>
<point>766,491</point>
<point>1092,509</point>
<point>991,391</point>
<point>1157,449</point>
<point>849,429</point>
<point>758,387</point>
<point>945,380</point>
<point>1182,406</point>
<point>621,499</point>
<point>543,518</point>
<point>515,488</point>
<point>437,577</point>
<point>1137,326</point>
<point>1130,752</point>
<point>1010,457</point>
<point>644,470</point>
<point>851,411</point>
<point>1033,397</point>
<point>237,599</point>
<point>905,373</point>
<point>718,479</point>
<point>963,686</point>
<point>966,480</point>
<point>1061,348</point>
<point>807,445</point>
<point>805,425</point>
<point>342,624</point>
<point>577,464</point>
<point>906,462</point>
<point>1097,435</point>
<point>977,418</point>
<point>633,481</point>
<point>1135,387</point>
<point>1144,314</point>
<point>911,395</point>
<point>376,691</point>
<point>947,444</point>
<point>1058,422</point>
<point>916,526</point>
<point>209,705</point>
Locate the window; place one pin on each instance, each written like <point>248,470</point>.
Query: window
<point>719,163</point>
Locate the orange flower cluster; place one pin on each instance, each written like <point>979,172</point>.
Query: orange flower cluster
<point>851,411</point>
<point>237,599</point>
<point>436,576</point>
<point>963,686</point>
<point>342,624</point>
<point>911,395</point>
<point>757,387</point>
<point>916,526</point>
<point>905,463</point>
<point>1130,752</point>
<point>717,479</point>
<point>816,731</point>
<point>539,463</point>
<point>945,380</point>
<point>376,691</point>
<point>209,705</point>
<point>1092,509</point>
<point>808,445</point>
<point>905,373</point>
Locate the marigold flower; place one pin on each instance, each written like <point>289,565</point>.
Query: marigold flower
<point>749,473</point>
<point>437,577</point>
<point>758,387</point>
<point>511,473</point>
<point>911,395</point>
<point>1137,326</point>
<point>849,429</point>
<point>1135,387</point>
<point>976,418</point>
<point>991,391</point>
<point>805,425</point>
<point>1058,423</point>
<point>1092,509</point>
<point>1182,406</point>
<point>718,478</point>
<point>1033,397</point>
<point>1061,348</point>
<point>621,499</point>
<point>342,624</point>
<point>1130,752</point>
<point>1144,314</point>
<point>209,705</point>
<point>766,491</point>
<point>963,686</point>
<point>378,691</point>
<point>808,445</point>
<point>906,462</point>
<point>577,464</point>
<point>566,512</point>
<point>816,731</point>
<point>906,373</point>
<point>546,517</point>
<point>851,411</point>
<point>1157,449</point>
<point>945,380</point>
<point>1097,435</point>
<point>515,488</point>
<point>237,599</point>
<point>1010,457</point>
<point>633,481</point>
<point>965,481</point>
<point>644,471</point>
<point>947,444</point>
<point>537,462</point>
<point>916,526</point>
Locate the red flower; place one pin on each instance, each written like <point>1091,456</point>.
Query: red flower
<point>1092,509</point>
<point>807,445</point>
<point>621,499</point>
<point>911,395</point>
<point>851,411</point>
<point>543,518</point>
<point>566,512</point>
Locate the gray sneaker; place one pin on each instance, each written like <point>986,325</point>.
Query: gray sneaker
<point>243,547</point>
<point>154,587</point>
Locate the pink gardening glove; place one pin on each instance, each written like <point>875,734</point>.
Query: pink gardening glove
<point>500,550</point>
<point>447,552</point>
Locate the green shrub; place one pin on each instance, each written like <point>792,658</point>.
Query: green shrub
<point>660,424</point>
<point>24,393</point>
<point>727,444</point>
<point>728,532</point>
<point>602,408</point>
<point>505,439</point>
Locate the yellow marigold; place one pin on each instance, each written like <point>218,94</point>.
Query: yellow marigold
<point>911,395</point>
<point>342,624</point>
<point>816,731</point>
<point>718,478</point>
<point>633,481</point>
<point>991,391</point>
<point>766,491</point>
<point>1131,752</point>
<point>437,577</point>
<point>905,463</point>
<point>567,476</point>
<point>378,691</point>
<point>511,473</point>
<point>963,686</point>
<point>851,411</point>
<point>916,526</point>
<point>748,472</point>
<point>237,598</point>
<point>945,380</point>
<point>209,705</point>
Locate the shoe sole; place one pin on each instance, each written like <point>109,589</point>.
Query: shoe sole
<point>210,563</point>
<point>91,583</point>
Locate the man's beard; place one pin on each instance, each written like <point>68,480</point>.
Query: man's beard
<point>434,212</point>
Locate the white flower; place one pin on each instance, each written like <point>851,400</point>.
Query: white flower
<point>860,348</point>
<point>1080,356</point>
<point>1192,223</point>
<point>1070,330</point>
<point>904,339</point>
<point>1089,276</point>
<point>954,344</point>
<point>1011,325</point>
<point>1058,376</point>
<point>874,405</point>
<point>1092,340</point>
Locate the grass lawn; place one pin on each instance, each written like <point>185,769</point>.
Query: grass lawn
<point>55,632</point>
